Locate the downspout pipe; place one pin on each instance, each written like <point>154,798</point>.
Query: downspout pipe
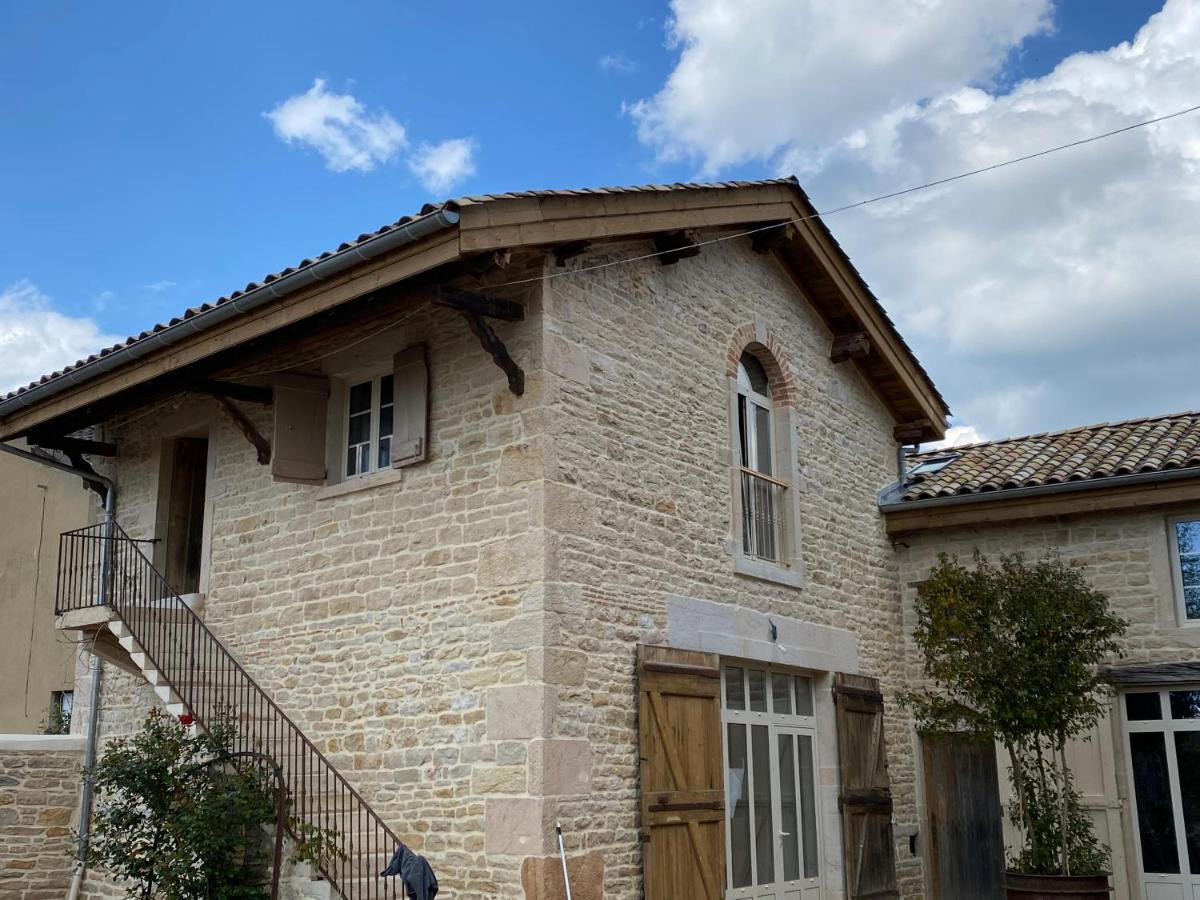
<point>95,666</point>
<point>322,270</point>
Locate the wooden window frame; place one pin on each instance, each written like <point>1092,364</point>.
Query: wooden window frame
<point>1181,616</point>
<point>788,567</point>
<point>374,376</point>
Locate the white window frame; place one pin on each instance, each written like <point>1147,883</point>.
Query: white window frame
<point>350,382</point>
<point>808,888</point>
<point>788,568</point>
<point>1177,570</point>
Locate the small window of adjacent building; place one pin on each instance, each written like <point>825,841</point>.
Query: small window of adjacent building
<point>61,705</point>
<point>1185,552</point>
<point>369,407</point>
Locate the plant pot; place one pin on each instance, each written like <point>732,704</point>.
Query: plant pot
<point>1057,887</point>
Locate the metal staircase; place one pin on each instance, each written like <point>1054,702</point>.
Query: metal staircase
<point>103,570</point>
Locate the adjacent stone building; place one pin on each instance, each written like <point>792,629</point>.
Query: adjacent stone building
<point>1123,501</point>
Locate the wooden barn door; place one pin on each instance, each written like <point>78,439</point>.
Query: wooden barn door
<point>866,795</point>
<point>683,790</point>
<point>966,828</point>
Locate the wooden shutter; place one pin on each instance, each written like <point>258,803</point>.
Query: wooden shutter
<point>866,796</point>
<point>682,767</point>
<point>410,435</point>
<point>299,434</point>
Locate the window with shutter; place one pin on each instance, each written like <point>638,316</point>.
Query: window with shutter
<point>866,795</point>
<point>683,792</point>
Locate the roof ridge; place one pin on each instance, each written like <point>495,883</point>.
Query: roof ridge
<point>1062,432</point>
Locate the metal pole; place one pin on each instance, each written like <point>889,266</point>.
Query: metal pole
<point>562,852</point>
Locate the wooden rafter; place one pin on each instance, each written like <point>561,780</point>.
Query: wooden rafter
<point>676,245</point>
<point>569,250</point>
<point>910,432</point>
<point>855,345</point>
<point>76,445</point>
<point>243,424</point>
<point>247,393</point>
<point>768,237</point>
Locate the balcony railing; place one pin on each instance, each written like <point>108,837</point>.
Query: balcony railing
<point>763,519</point>
<point>198,668</point>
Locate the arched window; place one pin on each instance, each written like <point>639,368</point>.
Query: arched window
<point>762,505</point>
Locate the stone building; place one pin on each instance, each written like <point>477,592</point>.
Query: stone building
<point>430,493</point>
<point>1122,500</point>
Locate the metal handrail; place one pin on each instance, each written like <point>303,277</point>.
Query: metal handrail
<point>210,682</point>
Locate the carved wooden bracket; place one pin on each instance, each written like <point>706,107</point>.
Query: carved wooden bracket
<point>477,309</point>
<point>675,245</point>
<point>850,346</point>
<point>246,427</point>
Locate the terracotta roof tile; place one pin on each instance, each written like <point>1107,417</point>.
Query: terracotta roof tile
<point>1091,452</point>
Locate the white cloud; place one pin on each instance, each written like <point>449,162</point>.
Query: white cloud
<point>956,436</point>
<point>341,129</point>
<point>616,63</point>
<point>157,287</point>
<point>1056,292</point>
<point>36,339</point>
<point>441,166</point>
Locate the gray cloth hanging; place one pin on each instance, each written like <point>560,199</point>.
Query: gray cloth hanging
<point>419,881</point>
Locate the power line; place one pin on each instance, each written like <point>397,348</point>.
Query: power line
<point>860,203</point>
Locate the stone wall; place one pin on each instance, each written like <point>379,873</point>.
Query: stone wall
<point>39,802</point>
<point>638,509</point>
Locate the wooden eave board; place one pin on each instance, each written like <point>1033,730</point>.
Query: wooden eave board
<point>434,251</point>
<point>999,509</point>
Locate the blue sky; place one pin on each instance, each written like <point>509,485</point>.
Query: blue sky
<point>140,172</point>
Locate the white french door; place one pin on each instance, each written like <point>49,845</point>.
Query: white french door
<point>773,845</point>
<point>1162,727</point>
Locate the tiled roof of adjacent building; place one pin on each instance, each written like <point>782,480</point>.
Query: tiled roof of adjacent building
<point>1088,453</point>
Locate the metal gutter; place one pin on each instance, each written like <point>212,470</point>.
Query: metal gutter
<point>1068,487</point>
<point>339,262</point>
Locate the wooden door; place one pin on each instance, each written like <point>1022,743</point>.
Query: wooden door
<point>185,514</point>
<point>866,795</point>
<point>683,788</point>
<point>965,831</point>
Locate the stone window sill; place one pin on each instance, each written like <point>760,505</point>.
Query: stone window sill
<point>765,571</point>
<point>360,483</point>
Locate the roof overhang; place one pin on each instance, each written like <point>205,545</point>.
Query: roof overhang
<point>475,226</point>
<point>1143,489</point>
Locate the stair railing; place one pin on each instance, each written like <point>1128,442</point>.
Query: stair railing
<point>210,683</point>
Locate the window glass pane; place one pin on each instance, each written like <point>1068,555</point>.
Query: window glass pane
<point>1185,705</point>
<point>385,420</point>
<point>360,398</point>
<point>808,805</point>
<point>738,805</point>
<point>1188,535</point>
<point>735,690</point>
<point>1191,602</point>
<point>762,439</point>
<point>360,429</point>
<point>385,389</point>
<point>804,698</point>
<point>764,831</point>
<point>1152,790</point>
<point>789,802</point>
<point>752,375</point>
<point>758,690</point>
<point>781,694</point>
<point>1187,750</point>
<point>385,452</point>
<point>1142,707</point>
<point>743,433</point>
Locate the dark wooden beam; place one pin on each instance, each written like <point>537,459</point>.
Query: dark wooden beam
<point>490,342</point>
<point>910,432</point>
<point>472,304</point>
<point>485,263</point>
<point>565,252</point>
<point>77,460</point>
<point>855,345</point>
<point>672,246</point>
<point>261,445</point>
<point>768,237</point>
<point>247,393</point>
<point>74,445</point>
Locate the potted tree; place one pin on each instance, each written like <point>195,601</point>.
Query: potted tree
<point>1010,652</point>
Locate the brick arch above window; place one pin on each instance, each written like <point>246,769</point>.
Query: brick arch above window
<point>763,345</point>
